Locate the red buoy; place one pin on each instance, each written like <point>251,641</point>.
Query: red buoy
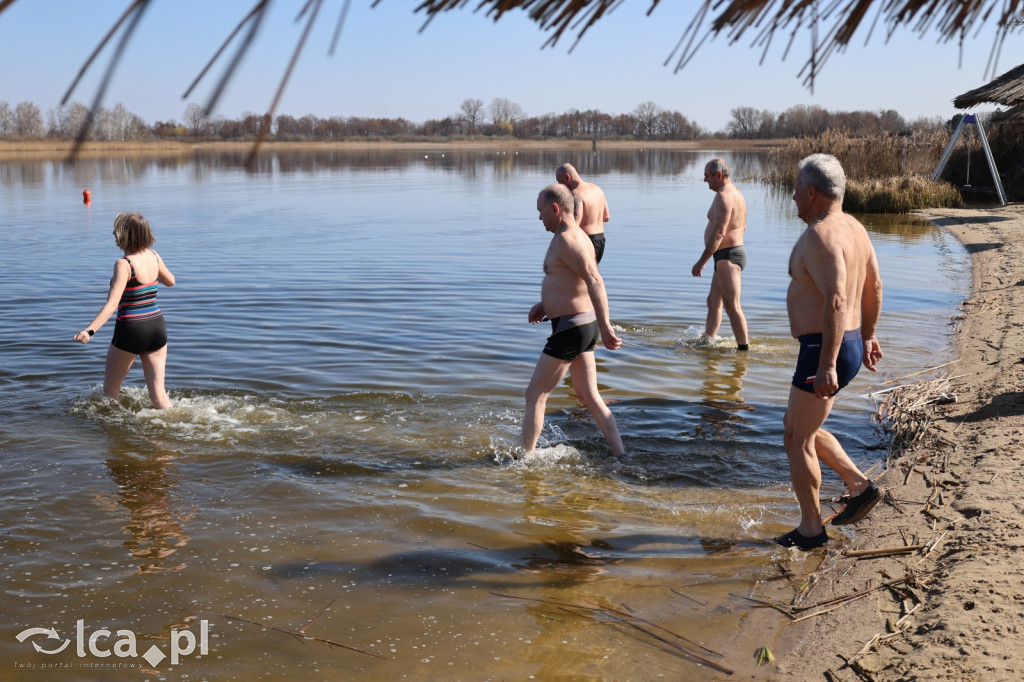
<point>86,197</point>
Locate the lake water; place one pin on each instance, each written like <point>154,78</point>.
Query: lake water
<point>348,351</point>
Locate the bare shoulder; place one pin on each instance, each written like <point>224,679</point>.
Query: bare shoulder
<point>734,196</point>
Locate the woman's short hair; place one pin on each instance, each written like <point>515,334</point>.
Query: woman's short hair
<point>824,173</point>
<point>132,232</point>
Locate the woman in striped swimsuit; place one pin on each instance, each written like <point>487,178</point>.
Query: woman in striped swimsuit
<point>139,329</point>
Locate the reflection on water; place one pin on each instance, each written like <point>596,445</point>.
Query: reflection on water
<point>722,387</point>
<point>145,488</point>
<point>201,163</point>
<point>349,348</point>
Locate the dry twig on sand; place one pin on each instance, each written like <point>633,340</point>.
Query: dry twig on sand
<point>904,412</point>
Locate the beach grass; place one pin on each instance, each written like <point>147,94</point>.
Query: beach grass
<point>899,194</point>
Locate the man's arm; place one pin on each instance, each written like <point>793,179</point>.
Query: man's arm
<point>718,222</point>
<point>824,261</point>
<point>579,257</point>
<point>870,310</point>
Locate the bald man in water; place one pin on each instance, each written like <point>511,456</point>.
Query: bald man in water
<point>591,207</point>
<point>574,299</point>
<point>723,243</point>
<point>834,300</point>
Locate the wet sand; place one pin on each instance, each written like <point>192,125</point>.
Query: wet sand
<point>957,491</point>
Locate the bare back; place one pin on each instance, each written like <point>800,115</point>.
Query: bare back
<point>146,264</point>
<point>594,207</point>
<point>832,263</point>
<point>727,218</point>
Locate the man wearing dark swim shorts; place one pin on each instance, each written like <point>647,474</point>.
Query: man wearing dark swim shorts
<point>733,254</point>
<point>572,335</point>
<point>851,354</point>
<point>574,299</point>
<point>834,300</point>
<point>590,208</point>
<point>723,242</point>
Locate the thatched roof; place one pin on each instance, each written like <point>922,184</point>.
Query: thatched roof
<point>835,21</point>
<point>1007,90</point>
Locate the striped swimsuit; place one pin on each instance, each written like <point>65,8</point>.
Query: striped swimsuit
<point>140,325</point>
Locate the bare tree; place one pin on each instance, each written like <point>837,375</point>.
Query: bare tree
<point>197,119</point>
<point>745,123</point>
<point>76,116</point>
<point>505,111</point>
<point>472,113</point>
<point>6,119</point>
<point>646,116</point>
<point>28,122</point>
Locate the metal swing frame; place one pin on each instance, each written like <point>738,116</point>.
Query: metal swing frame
<point>972,118</point>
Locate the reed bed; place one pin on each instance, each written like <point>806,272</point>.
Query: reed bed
<point>885,173</point>
<point>899,194</point>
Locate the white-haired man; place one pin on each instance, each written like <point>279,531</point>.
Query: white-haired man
<point>834,300</point>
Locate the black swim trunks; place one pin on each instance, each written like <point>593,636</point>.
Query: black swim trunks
<point>851,354</point>
<point>572,335</point>
<point>598,241</point>
<point>140,336</point>
<point>733,254</point>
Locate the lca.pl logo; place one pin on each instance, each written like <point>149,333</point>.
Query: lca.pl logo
<point>182,643</point>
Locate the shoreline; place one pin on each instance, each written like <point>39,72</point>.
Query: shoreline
<point>36,149</point>
<point>955,610</point>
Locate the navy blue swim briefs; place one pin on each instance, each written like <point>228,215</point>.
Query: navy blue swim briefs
<point>851,355</point>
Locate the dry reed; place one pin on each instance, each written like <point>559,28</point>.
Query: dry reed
<point>885,173</point>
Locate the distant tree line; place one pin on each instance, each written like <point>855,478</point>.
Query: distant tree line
<point>748,123</point>
<point>474,119</point>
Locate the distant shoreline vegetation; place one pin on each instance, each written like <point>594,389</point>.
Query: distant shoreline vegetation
<point>889,161</point>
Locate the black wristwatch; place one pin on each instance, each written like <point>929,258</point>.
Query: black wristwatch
<point>90,332</point>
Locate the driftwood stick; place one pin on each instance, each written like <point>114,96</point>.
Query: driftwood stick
<point>882,551</point>
<point>686,596</point>
<point>307,637</point>
<point>855,595</point>
<point>628,622</point>
<point>923,371</point>
<point>619,615</point>
<point>629,616</point>
<point>317,616</point>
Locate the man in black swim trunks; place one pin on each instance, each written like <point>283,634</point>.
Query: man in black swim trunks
<point>834,300</point>
<point>590,208</point>
<point>723,242</point>
<point>574,299</point>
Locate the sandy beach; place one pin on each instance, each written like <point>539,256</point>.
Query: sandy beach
<point>952,606</point>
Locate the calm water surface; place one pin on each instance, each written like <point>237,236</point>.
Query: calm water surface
<point>348,350</point>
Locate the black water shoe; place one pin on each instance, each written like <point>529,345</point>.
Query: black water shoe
<point>795,538</point>
<point>858,507</point>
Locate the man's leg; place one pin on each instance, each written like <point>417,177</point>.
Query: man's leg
<point>546,375</point>
<point>727,277</point>
<point>714,320</point>
<point>584,381</point>
<point>805,414</point>
<point>832,454</point>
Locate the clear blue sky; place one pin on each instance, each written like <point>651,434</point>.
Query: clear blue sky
<point>385,66</point>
